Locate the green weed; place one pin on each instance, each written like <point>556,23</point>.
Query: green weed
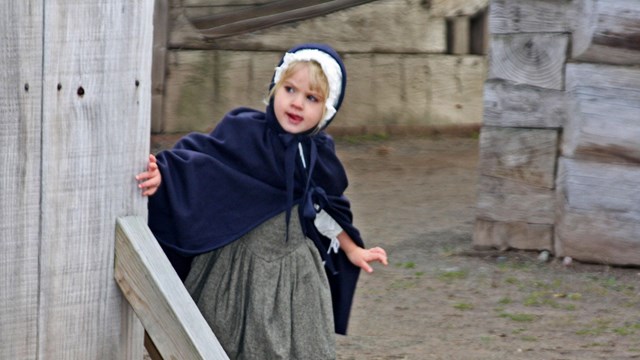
<point>519,317</point>
<point>452,275</point>
<point>463,306</point>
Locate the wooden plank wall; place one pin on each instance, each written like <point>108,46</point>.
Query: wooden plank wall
<point>20,186</point>
<point>71,144</point>
<point>582,100</point>
<point>400,72</point>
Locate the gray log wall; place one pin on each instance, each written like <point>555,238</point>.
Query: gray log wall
<point>559,161</point>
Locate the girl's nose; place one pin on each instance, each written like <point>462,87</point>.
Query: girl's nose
<point>297,101</point>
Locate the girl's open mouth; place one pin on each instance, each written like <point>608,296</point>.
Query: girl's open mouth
<point>295,118</point>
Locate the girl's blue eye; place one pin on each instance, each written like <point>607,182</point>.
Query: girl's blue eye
<point>289,89</point>
<point>312,98</point>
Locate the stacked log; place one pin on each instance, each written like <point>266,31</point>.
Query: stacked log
<point>560,146</point>
<point>524,110</point>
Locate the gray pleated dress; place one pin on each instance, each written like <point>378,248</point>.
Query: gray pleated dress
<point>265,297</point>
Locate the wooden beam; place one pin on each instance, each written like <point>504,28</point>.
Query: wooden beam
<point>512,235</point>
<point>523,155</point>
<point>514,202</point>
<point>598,212</point>
<point>261,17</point>
<point>158,297</point>
<point>451,8</point>
<point>607,31</point>
<point>96,105</point>
<point>603,122</point>
<point>532,16</point>
<point>532,59</point>
<point>507,104</point>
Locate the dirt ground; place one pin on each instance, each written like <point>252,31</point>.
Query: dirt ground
<point>441,299</point>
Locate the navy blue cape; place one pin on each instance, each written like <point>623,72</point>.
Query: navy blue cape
<point>217,187</point>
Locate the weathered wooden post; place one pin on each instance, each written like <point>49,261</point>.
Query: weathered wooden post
<point>75,87</point>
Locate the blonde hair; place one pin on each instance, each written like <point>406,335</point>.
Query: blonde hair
<point>318,80</point>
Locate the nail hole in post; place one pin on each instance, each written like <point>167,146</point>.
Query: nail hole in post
<point>81,91</point>
<point>137,83</point>
<point>26,87</point>
<point>59,86</point>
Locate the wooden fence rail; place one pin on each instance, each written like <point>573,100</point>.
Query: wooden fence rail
<point>158,297</point>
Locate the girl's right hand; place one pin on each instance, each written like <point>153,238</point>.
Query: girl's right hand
<point>150,180</point>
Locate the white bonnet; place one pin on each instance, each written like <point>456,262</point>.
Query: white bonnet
<point>331,70</point>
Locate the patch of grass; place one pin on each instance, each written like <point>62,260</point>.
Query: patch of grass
<point>600,326</point>
<point>486,339</point>
<point>513,265</point>
<point>574,296</point>
<point>404,284</point>
<point>512,280</point>
<point>452,275</point>
<point>505,301</point>
<point>519,317</point>
<point>538,298</point>
<point>463,306</point>
<point>407,265</point>
<point>627,329</point>
<point>591,331</point>
<point>448,250</point>
<point>594,344</point>
<point>528,338</point>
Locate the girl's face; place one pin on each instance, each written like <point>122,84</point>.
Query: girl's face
<point>297,107</point>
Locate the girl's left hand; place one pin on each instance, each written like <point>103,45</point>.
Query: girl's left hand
<point>362,257</point>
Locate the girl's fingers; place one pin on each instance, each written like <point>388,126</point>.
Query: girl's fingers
<point>364,265</point>
<point>379,255</point>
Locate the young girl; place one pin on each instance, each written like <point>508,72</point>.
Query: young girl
<point>254,219</point>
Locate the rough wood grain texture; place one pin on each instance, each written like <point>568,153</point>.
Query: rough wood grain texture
<point>380,26</point>
<point>203,3</point>
<point>604,121</point>
<point>158,296</point>
<point>95,128</point>
<point>607,31</point>
<point>159,64</point>
<point>514,202</point>
<point>408,90</point>
<point>511,105</point>
<point>531,16</point>
<point>523,155</point>
<point>20,154</point>
<point>532,59</point>
<point>516,235</point>
<point>250,19</point>
<point>598,212</point>
<point>450,8</point>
